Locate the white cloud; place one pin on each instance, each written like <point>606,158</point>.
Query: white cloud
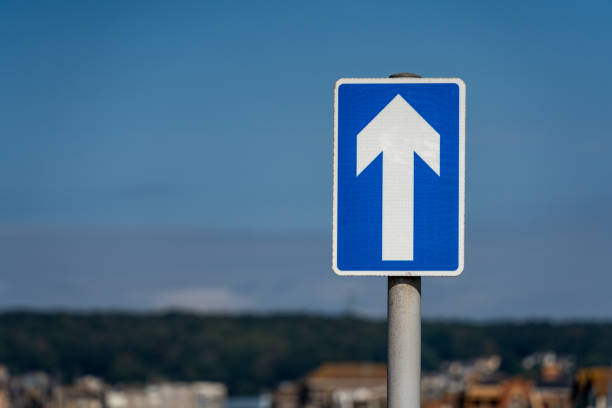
<point>208,299</point>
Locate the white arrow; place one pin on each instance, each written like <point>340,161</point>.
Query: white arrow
<point>398,132</point>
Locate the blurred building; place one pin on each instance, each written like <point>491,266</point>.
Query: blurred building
<point>336,385</point>
<point>31,390</point>
<point>86,392</point>
<point>4,387</point>
<point>550,367</point>
<point>547,396</point>
<point>287,395</point>
<point>446,387</point>
<point>453,376</point>
<point>592,388</point>
<point>169,395</point>
<point>37,390</point>
<point>512,393</point>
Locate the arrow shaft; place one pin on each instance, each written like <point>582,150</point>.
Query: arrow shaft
<point>398,208</point>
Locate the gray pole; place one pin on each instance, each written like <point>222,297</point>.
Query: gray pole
<point>404,335</point>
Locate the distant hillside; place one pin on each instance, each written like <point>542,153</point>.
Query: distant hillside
<point>249,353</point>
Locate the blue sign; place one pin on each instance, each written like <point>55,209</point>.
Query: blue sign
<point>399,177</point>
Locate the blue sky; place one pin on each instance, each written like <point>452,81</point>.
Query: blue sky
<point>158,153</point>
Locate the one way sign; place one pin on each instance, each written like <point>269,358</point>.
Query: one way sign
<point>399,177</point>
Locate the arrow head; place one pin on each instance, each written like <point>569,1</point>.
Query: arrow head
<point>398,130</point>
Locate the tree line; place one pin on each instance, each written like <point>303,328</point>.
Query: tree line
<point>250,353</point>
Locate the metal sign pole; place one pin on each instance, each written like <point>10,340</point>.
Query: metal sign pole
<point>404,342</point>
<point>404,334</point>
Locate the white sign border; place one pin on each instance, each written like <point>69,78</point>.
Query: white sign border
<point>460,265</point>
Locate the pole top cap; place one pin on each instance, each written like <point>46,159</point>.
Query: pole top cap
<point>405,75</point>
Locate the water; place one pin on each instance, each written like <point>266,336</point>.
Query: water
<point>253,401</point>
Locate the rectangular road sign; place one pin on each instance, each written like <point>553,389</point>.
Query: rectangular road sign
<point>399,177</point>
